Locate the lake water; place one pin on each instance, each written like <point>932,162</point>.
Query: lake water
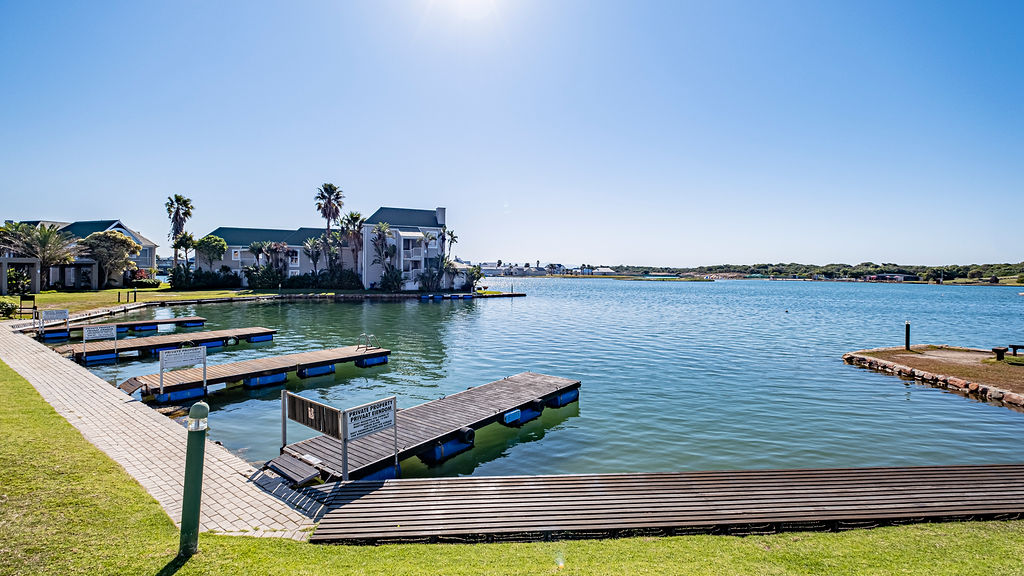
<point>676,375</point>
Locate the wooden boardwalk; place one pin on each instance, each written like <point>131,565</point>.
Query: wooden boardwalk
<point>476,509</point>
<point>423,427</point>
<point>133,325</point>
<point>153,344</point>
<point>191,378</point>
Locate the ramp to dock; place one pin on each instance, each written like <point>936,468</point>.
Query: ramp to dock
<point>428,425</point>
<point>523,508</point>
<point>191,378</point>
<point>153,344</point>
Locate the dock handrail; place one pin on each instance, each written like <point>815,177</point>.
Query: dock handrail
<point>367,341</point>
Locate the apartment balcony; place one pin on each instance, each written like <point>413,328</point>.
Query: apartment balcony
<point>412,253</point>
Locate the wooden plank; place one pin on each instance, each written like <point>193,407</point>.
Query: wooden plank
<point>162,341</point>
<point>235,371</point>
<point>130,324</point>
<point>421,426</point>
<point>574,506</point>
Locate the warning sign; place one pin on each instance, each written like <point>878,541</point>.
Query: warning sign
<point>370,418</point>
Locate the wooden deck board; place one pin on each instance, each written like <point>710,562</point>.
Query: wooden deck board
<point>163,340</point>
<point>578,506</point>
<point>420,426</point>
<point>236,371</point>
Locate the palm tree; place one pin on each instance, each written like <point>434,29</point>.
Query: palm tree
<point>179,210</point>
<point>311,248</point>
<point>453,239</point>
<point>329,200</point>
<point>47,243</point>
<point>353,224</point>
<point>258,249</point>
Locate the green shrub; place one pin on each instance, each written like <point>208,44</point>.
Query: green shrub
<point>145,283</point>
<point>264,277</point>
<point>182,278</point>
<point>7,307</point>
<point>1020,279</point>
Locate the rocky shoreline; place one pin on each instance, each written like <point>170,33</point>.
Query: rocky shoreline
<point>965,387</point>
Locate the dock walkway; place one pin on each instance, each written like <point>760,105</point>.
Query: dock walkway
<point>250,370</point>
<point>125,326</point>
<point>428,428</point>
<point>479,509</point>
<point>154,344</point>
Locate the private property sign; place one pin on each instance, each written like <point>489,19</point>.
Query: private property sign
<point>99,332</point>
<point>369,418</point>
<point>182,357</point>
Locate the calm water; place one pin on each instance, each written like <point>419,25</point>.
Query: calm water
<point>676,376</point>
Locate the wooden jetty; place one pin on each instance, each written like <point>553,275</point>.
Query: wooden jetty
<point>105,349</point>
<point>522,508</point>
<point>434,431</point>
<point>255,373</point>
<point>122,327</point>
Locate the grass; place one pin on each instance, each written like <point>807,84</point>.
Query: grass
<point>88,300</point>
<point>66,508</point>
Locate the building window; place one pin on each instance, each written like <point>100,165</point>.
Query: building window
<point>236,255</point>
<point>293,273</point>
<point>293,258</point>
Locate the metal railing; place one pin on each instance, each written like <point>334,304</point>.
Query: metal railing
<point>367,341</point>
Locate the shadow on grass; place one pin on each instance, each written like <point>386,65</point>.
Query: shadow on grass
<point>174,565</point>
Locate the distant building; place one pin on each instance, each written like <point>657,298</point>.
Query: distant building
<point>416,235</point>
<point>297,263</point>
<point>892,278</point>
<point>84,272</point>
<point>604,271</point>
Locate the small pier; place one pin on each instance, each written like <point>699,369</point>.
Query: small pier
<point>135,326</point>
<point>434,431</point>
<point>108,350</point>
<point>256,373</point>
<point>529,508</point>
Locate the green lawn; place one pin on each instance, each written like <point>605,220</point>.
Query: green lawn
<point>65,508</point>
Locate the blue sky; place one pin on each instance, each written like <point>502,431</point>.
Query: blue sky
<point>652,133</point>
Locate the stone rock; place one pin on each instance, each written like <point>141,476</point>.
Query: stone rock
<point>972,386</point>
<point>1013,398</point>
<point>995,394</point>
<point>956,382</point>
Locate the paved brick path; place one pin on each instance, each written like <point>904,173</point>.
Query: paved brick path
<point>233,500</point>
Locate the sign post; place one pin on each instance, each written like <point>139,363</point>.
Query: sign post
<point>99,333</point>
<point>182,357</point>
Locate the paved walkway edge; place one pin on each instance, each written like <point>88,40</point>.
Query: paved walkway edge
<point>234,500</point>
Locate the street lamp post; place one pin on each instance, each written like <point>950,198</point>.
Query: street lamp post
<point>194,452</point>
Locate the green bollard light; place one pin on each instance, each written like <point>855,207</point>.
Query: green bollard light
<point>194,452</point>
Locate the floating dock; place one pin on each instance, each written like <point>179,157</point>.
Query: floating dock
<point>108,350</point>
<point>526,508</point>
<point>135,326</point>
<point>434,431</point>
<point>258,372</point>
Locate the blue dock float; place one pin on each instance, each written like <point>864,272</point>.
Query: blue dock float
<point>442,451</point>
<point>527,413</point>
<point>99,359</point>
<point>145,328</point>
<point>57,335</point>
<point>261,381</point>
<point>261,338</point>
<point>315,371</point>
<point>368,362</point>
<point>179,395</point>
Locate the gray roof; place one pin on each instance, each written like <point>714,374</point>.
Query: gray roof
<point>405,217</point>
<point>234,236</point>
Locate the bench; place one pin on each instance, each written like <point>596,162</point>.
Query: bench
<point>999,352</point>
<point>1016,347</point>
<point>27,305</point>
